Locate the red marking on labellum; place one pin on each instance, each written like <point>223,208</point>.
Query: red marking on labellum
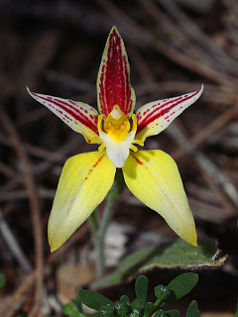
<point>114,81</point>
<point>159,112</point>
<point>137,160</point>
<point>94,166</point>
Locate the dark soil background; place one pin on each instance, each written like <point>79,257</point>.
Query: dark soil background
<point>55,48</point>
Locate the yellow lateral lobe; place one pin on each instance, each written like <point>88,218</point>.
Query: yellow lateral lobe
<point>153,177</point>
<point>85,181</point>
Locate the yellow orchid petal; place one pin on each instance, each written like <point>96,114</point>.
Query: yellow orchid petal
<point>85,181</point>
<point>153,177</point>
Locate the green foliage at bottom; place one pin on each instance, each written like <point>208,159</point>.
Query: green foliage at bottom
<point>177,255</point>
<point>193,310</point>
<point>2,281</point>
<point>236,312</point>
<point>139,307</point>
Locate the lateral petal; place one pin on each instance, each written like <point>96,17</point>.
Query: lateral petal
<point>113,81</point>
<point>84,182</point>
<point>153,177</point>
<point>155,116</point>
<point>79,116</point>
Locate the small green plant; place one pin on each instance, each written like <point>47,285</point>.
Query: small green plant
<point>236,312</point>
<point>2,281</point>
<point>139,307</point>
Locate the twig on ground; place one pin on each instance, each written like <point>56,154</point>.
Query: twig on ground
<point>34,204</point>
<point>142,36</point>
<point>83,230</point>
<point>220,60</point>
<point>206,132</point>
<point>19,294</point>
<point>210,171</point>
<point>13,245</point>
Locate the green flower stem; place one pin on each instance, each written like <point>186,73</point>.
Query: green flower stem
<point>99,236</point>
<point>93,223</point>
<point>157,304</point>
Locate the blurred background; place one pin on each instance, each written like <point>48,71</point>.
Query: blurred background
<point>55,48</point>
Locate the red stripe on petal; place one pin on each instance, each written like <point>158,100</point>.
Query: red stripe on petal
<point>138,161</point>
<point>71,110</point>
<point>114,78</point>
<point>156,113</point>
<point>94,166</point>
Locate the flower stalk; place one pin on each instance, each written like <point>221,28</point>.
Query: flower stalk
<point>99,231</point>
<point>93,223</point>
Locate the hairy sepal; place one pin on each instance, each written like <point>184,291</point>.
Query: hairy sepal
<point>79,116</point>
<point>155,116</point>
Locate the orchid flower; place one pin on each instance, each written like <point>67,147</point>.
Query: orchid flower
<point>151,175</point>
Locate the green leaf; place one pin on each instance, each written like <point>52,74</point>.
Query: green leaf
<point>123,308</point>
<point>22,313</point>
<point>134,304</point>
<point>141,288</point>
<point>149,309</point>
<point>160,313</point>
<point>2,281</point>
<point>236,312</point>
<point>70,310</point>
<point>107,310</point>
<point>162,292</point>
<point>178,255</point>
<point>128,266</point>
<point>193,310</point>
<point>183,255</point>
<point>182,285</point>
<point>92,299</point>
<point>172,313</point>
<point>77,303</point>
